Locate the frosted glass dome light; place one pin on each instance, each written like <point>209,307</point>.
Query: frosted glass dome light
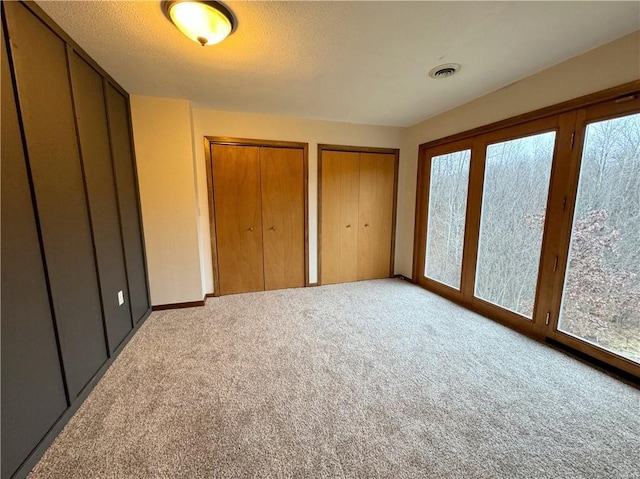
<point>204,22</point>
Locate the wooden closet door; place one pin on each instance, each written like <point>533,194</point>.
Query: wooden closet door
<point>282,175</point>
<point>237,201</point>
<point>330,217</point>
<point>340,185</point>
<point>375,226</point>
<point>349,199</point>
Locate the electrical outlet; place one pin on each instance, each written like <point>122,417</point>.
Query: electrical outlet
<point>120,298</point>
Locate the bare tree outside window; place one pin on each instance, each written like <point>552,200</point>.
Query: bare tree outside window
<point>601,302</point>
<point>601,296</point>
<point>514,201</point>
<point>447,215</point>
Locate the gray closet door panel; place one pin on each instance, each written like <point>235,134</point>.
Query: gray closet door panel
<point>48,119</point>
<point>33,394</point>
<point>103,204</point>
<point>121,145</point>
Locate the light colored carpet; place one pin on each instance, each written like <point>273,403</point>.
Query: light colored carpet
<point>378,379</point>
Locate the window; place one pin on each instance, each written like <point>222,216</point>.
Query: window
<point>514,202</point>
<point>449,178</point>
<point>536,223</point>
<point>601,301</point>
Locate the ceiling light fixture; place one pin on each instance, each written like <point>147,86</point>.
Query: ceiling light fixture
<point>445,71</point>
<point>204,22</point>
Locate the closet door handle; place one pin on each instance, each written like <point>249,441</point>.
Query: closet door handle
<point>273,228</point>
<point>250,228</point>
<point>366,225</point>
<point>348,226</point>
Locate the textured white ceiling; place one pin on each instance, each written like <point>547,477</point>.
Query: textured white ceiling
<point>362,62</point>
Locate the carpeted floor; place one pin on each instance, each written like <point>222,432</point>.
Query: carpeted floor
<point>378,379</point>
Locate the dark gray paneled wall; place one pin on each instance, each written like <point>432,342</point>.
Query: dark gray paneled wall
<point>30,366</point>
<point>42,79</point>
<point>71,232</point>
<point>93,131</point>
<point>120,127</point>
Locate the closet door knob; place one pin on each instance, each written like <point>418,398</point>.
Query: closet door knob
<point>348,226</point>
<point>273,228</point>
<point>366,225</point>
<point>251,228</point>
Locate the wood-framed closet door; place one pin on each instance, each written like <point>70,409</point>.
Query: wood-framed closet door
<point>375,215</point>
<point>258,209</point>
<point>349,204</point>
<point>340,176</point>
<point>237,202</point>
<point>357,198</point>
<point>282,178</point>
<point>330,171</point>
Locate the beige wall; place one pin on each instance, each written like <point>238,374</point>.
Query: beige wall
<point>264,127</point>
<point>164,155</point>
<point>169,135</point>
<point>613,64</point>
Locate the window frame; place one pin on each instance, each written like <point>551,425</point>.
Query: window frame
<point>422,204</point>
<point>585,117</point>
<point>569,120</point>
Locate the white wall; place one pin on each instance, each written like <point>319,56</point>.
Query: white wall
<point>613,64</point>
<point>264,127</point>
<point>164,155</point>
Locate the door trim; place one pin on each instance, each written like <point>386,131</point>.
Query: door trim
<point>209,141</point>
<point>359,149</point>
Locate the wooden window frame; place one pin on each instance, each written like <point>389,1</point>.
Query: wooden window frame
<point>478,145</point>
<point>422,211</point>
<point>209,141</point>
<point>569,120</point>
<point>585,116</point>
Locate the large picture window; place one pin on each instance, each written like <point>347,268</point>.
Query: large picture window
<point>601,300</point>
<point>535,223</point>
<point>514,202</point>
<point>447,211</point>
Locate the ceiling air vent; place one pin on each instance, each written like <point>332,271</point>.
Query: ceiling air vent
<point>445,71</point>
